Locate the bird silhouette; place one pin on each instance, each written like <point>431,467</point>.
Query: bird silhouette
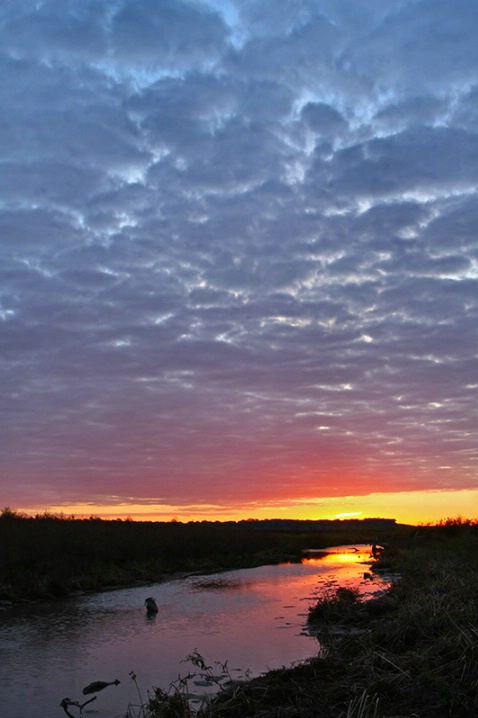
<point>151,606</point>
<point>98,686</point>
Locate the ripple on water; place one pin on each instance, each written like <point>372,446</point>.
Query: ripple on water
<point>252,618</point>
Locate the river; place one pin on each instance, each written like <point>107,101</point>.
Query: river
<point>253,619</point>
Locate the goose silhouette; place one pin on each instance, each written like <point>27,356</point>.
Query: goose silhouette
<point>98,686</point>
<point>151,606</point>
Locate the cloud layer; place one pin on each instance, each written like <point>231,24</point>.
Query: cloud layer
<point>239,256</point>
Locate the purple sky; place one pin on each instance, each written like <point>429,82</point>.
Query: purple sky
<point>238,250</point>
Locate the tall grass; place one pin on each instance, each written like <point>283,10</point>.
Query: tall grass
<point>414,653</point>
<point>51,556</point>
<point>411,653</point>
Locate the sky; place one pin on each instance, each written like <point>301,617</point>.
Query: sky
<point>239,258</point>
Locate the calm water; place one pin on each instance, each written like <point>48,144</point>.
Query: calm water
<point>255,619</point>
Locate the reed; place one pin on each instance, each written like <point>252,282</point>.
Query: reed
<point>415,655</point>
<point>342,606</point>
<point>411,653</point>
<point>50,556</point>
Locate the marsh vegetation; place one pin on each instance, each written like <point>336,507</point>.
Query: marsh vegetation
<point>52,556</point>
<point>410,653</point>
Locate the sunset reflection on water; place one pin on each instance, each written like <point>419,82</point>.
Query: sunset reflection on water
<point>347,566</point>
<point>255,619</point>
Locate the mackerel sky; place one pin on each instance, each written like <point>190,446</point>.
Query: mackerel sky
<point>239,256</point>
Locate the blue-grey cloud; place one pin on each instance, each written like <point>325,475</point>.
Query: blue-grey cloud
<point>238,249</point>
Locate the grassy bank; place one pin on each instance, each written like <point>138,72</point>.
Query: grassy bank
<point>52,556</point>
<point>412,653</point>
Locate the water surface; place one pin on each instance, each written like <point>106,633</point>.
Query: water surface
<point>255,619</point>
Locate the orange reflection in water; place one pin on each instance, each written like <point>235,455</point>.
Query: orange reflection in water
<point>347,561</point>
<point>253,619</point>
<point>345,557</point>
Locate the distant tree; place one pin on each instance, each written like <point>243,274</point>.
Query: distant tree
<point>9,514</point>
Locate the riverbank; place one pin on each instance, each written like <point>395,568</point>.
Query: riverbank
<point>252,619</point>
<point>411,653</point>
<point>52,557</point>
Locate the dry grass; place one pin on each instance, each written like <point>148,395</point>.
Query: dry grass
<point>415,655</point>
<point>418,656</point>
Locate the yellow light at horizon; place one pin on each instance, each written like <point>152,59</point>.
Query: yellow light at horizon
<point>417,507</point>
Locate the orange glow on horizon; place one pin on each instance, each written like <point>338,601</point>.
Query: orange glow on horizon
<point>414,508</point>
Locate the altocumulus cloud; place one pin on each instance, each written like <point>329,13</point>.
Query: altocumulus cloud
<point>238,249</point>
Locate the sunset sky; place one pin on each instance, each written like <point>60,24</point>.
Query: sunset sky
<point>239,258</point>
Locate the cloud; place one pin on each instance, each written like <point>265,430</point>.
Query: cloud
<point>176,36</point>
<point>238,250</point>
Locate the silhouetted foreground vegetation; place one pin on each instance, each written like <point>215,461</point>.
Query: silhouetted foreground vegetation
<point>52,556</point>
